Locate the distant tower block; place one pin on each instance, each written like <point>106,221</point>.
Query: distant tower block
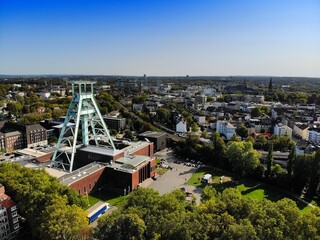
<point>270,85</point>
<point>83,115</point>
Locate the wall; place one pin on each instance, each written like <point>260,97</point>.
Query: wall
<point>96,179</point>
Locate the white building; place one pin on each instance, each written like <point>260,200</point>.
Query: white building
<point>201,120</point>
<point>226,128</point>
<point>314,135</point>
<point>282,130</point>
<point>181,127</point>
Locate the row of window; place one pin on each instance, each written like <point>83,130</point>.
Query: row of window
<point>85,187</point>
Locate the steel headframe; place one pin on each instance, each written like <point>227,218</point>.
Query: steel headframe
<point>83,111</point>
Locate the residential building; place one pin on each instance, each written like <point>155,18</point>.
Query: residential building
<point>282,130</point>
<point>226,128</point>
<point>201,98</point>
<point>181,127</point>
<point>11,141</point>
<point>301,130</point>
<point>314,135</point>
<point>137,106</point>
<point>33,135</point>
<point>9,222</point>
<point>44,94</point>
<point>201,120</point>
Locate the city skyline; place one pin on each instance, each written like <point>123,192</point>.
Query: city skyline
<point>161,38</point>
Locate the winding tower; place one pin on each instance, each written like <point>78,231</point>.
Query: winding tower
<point>83,124</point>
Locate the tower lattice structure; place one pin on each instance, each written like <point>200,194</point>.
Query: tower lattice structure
<point>83,120</point>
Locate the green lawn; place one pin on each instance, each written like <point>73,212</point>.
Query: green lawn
<point>248,188</point>
<point>161,171</point>
<point>196,178</point>
<point>112,198</point>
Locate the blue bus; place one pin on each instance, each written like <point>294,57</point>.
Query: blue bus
<point>97,210</point>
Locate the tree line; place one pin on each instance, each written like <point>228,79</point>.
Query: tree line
<point>226,215</point>
<point>50,209</point>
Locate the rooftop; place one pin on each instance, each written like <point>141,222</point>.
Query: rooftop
<point>132,161</point>
<point>101,150</point>
<point>134,147</point>
<point>68,178</point>
<point>152,134</point>
<point>32,152</point>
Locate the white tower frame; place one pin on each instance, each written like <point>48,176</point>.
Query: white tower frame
<point>83,111</point>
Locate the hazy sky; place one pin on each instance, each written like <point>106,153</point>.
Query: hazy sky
<point>160,37</point>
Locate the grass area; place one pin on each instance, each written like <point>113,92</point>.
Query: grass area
<point>248,188</point>
<point>104,196</point>
<point>196,178</point>
<point>161,171</point>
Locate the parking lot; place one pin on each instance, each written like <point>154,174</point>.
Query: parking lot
<point>175,178</point>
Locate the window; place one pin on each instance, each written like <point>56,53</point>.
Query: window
<point>90,186</point>
<point>14,214</point>
<point>85,189</point>
<point>15,220</point>
<point>16,226</point>
<point>13,208</point>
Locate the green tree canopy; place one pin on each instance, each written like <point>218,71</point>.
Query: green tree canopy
<point>243,158</point>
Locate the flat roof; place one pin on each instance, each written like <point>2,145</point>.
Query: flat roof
<point>32,152</point>
<point>134,146</point>
<point>102,150</point>
<point>80,173</point>
<point>55,172</point>
<point>133,160</point>
<point>152,134</point>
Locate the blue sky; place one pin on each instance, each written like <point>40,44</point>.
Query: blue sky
<point>160,37</point>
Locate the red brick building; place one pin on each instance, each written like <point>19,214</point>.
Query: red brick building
<point>116,170</point>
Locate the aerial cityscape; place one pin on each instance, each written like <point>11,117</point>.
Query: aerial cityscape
<point>159,120</point>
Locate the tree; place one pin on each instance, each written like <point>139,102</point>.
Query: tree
<point>219,148</point>
<point>120,227</point>
<point>315,175</point>
<point>205,134</point>
<point>250,139</point>
<point>235,138</point>
<point>260,142</point>
<point>270,158</point>
<point>195,127</point>
<point>291,158</point>
<point>242,131</point>
<point>301,171</point>
<point>243,158</point>
<point>208,193</point>
<point>62,221</point>
<point>34,191</point>
<point>255,112</point>
<point>276,170</point>
<point>163,115</point>
<point>57,113</point>
<point>15,108</point>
